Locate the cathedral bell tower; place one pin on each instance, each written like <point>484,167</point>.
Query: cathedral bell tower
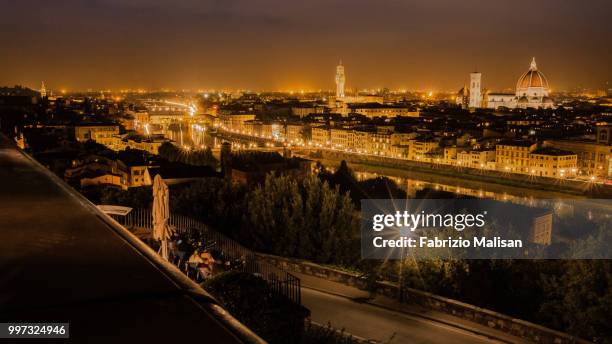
<point>475,95</point>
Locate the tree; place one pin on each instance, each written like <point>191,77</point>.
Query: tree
<point>306,220</point>
<point>579,299</point>
<point>140,197</point>
<point>380,188</point>
<point>344,178</point>
<point>374,188</point>
<point>198,157</point>
<point>215,201</point>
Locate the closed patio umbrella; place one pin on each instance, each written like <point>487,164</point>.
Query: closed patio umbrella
<point>162,231</point>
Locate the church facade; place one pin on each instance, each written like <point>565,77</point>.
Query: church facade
<point>532,91</point>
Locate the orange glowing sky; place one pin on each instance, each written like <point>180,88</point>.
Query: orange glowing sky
<point>275,45</point>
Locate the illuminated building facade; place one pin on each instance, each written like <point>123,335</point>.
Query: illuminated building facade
<point>101,133</point>
<point>372,110</point>
<point>594,157</point>
<point>482,159</point>
<point>532,91</point>
<point>320,136</point>
<point>552,162</point>
<point>475,96</point>
<point>421,148</point>
<point>513,156</point>
<point>43,90</point>
<point>340,80</point>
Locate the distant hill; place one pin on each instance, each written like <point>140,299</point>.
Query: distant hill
<point>18,91</point>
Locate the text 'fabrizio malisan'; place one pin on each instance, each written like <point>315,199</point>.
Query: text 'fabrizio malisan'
<point>435,242</point>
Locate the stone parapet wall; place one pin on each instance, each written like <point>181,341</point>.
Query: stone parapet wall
<point>495,320</point>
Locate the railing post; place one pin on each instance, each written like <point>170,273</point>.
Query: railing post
<point>285,285</point>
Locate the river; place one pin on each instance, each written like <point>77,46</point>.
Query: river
<point>196,136</point>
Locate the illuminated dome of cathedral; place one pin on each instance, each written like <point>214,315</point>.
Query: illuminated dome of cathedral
<point>532,83</point>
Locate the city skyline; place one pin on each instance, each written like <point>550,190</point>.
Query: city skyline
<point>272,45</point>
<point>320,171</point>
<point>430,90</point>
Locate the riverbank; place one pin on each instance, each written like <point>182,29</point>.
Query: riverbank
<point>491,181</point>
<point>486,182</point>
<point>484,188</point>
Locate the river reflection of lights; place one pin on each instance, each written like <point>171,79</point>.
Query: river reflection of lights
<point>198,127</point>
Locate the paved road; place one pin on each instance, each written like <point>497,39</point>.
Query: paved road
<point>372,322</point>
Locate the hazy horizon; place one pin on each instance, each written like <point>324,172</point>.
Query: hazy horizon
<point>280,45</point>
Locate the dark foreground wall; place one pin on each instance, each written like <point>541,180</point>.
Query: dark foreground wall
<point>62,260</point>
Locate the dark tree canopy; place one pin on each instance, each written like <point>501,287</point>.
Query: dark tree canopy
<point>199,157</point>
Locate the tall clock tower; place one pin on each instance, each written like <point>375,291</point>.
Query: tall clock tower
<point>340,80</point>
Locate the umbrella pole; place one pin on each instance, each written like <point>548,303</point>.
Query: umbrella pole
<point>164,249</point>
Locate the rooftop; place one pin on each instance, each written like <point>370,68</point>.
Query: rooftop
<point>177,170</point>
<point>552,151</point>
<point>96,124</point>
<point>377,106</point>
<point>515,143</point>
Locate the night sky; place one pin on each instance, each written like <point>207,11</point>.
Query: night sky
<point>280,45</point>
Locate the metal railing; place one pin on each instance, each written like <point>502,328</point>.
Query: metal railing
<point>279,281</point>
